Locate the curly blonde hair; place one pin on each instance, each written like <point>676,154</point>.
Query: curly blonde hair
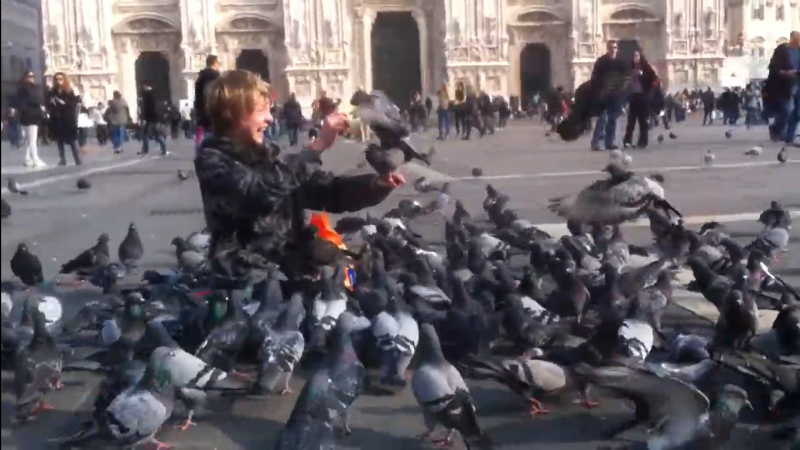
<point>234,96</point>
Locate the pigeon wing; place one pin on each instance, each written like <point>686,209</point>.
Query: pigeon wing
<point>135,415</point>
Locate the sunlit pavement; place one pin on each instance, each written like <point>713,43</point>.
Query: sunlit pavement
<point>58,222</point>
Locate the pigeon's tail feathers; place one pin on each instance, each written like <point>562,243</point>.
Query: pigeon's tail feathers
<point>471,431</point>
<point>638,251</point>
<point>23,192</point>
<point>79,439</point>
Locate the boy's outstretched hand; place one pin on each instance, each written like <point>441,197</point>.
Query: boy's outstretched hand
<point>332,126</point>
<point>391,180</point>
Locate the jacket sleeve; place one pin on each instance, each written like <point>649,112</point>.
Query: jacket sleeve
<point>321,191</point>
<point>778,60</point>
<point>246,191</point>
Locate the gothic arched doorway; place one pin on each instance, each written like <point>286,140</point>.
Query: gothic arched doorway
<point>535,74</point>
<point>255,61</point>
<point>396,59</point>
<point>152,69</point>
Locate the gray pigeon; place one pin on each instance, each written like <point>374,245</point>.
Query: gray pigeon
<point>443,395</point>
<point>189,260</point>
<point>384,161</point>
<point>130,249</point>
<point>783,155</point>
<point>14,187</point>
<point>281,349</point>
<point>397,335</point>
<point>683,415</point>
<point>135,416</point>
<point>37,369</point>
<point>327,396</point>
<point>5,209</point>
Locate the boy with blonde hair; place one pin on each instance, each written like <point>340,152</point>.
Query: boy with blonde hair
<point>254,203</point>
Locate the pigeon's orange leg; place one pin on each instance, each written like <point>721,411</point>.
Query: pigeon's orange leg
<point>186,424</point>
<point>43,406</point>
<point>537,408</point>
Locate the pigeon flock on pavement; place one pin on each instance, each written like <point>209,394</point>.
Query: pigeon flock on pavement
<point>548,317</point>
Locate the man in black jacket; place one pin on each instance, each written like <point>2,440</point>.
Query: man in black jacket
<point>204,80</point>
<point>783,89</point>
<point>150,117</point>
<point>608,96</point>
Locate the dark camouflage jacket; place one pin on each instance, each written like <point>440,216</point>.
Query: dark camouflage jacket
<point>255,204</point>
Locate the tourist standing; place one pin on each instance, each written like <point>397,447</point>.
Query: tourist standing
<point>784,92</point>
<point>204,80</point>
<point>293,115</point>
<point>150,118</point>
<point>64,106</point>
<point>709,102</point>
<point>27,109</point>
<point>443,112</point>
<point>117,118</point>
<point>607,84</point>
<point>643,79</point>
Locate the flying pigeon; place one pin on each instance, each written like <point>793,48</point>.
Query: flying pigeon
<point>83,184</point>
<point>14,187</point>
<point>130,249</point>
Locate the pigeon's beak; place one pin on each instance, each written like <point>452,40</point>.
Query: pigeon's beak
<point>766,271</point>
<point>749,405</point>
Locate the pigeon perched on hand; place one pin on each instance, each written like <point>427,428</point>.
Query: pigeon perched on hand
<point>385,121</point>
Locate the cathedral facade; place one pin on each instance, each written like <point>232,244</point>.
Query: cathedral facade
<point>509,47</point>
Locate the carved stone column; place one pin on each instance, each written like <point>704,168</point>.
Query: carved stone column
<point>368,19</point>
<point>422,25</point>
<point>126,57</point>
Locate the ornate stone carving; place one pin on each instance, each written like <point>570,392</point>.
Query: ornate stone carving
<point>147,26</point>
<point>248,24</point>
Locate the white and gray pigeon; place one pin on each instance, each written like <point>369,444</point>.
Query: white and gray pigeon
<point>199,241</point>
<point>636,338</point>
<point>443,395</point>
<point>397,335</point>
<point>281,349</point>
<point>329,304</point>
<point>135,416</point>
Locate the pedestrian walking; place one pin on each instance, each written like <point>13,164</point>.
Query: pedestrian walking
<point>27,108</point>
<point>117,117</point>
<point>608,78</point>
<point>201,86</point>
<point>643,80</point>
<point>150,117</point>
<point>783,87</point>
<point>64,105</point>
<point>293,116</point>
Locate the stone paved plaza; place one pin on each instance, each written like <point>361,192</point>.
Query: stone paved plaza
<point>57,222</point>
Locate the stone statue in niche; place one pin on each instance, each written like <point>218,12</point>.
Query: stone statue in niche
<point>677,25</point>
<point>710,17</point>
<point>586,29</point>
<point>328,35</point>
<point>456,31</point>
<point>195,36</point>
<point>491,30</point>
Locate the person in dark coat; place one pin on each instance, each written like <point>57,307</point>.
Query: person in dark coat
<point>293,115</point>
<point>709,101</point>
<point>254,202</point>
<point>486,109</point>
<point>610,76</point>
<point>643,79</point>
<point>201,85</point>
<point>471,117</point>
<point>782,89</point>
<point>64,106</point>
<point>458,107</point>
<point>27,108</point>
<point>151,115</point>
